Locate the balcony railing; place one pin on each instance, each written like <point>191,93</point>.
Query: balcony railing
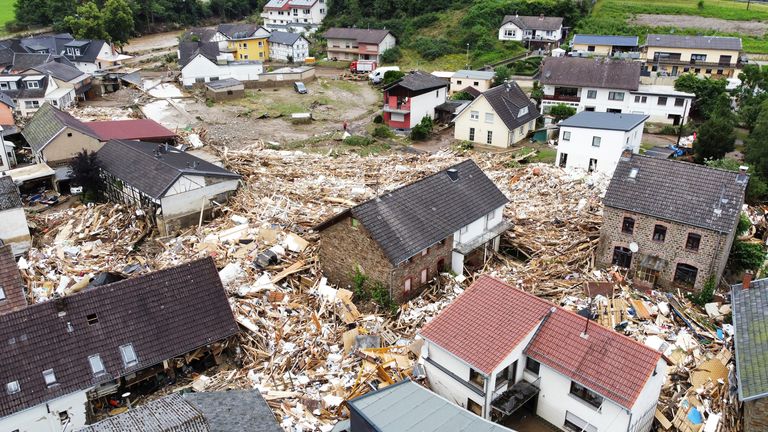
<point>680,62</point>
<point>567,98</point>
<point>398,109</point>
<point>516,396</point>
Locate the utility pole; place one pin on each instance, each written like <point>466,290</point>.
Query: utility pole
<point>467,55</point>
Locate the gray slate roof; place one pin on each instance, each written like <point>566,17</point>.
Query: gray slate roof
<point>47,122</point>
<point>284,38</point>
<point>238,31</point>
<point>6,100</point>
<point>189,50</point>
<point>618,41</point>
<point>135,163</point>
<point>750,320</point>
<point>234,410</point>
<point>226,411</point>
<point>203,34</point>
<point>678,191</point>
<point>697,42</point>
<point>59,71</point>
<point>163,314</point>
<point>89,50</point>
<point>414,217</point>
<point>417,81</point>
<point>604,120</point>
<point>370,36</point>
<point>224,83</point>
<point>9,194</point>
<point>534,22</point>
<point>407,406</point>
<point>590,72</point>
<point>507,100</point>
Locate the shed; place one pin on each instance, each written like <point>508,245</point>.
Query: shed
<point>229,88</point>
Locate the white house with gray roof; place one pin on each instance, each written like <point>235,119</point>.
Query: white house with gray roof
<point>594,141</point>
<point>541,29</point>
<point>297,16</point>
<point>288,47</point>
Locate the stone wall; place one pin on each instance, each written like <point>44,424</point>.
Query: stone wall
<point>756,415</point>
<point>343,248</point>
<point>709,259</point>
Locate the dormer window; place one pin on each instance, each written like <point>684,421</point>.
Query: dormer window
<point>33,84</point>
<point>12,387</point>
<point>49,377</point>
<point>523,111</point>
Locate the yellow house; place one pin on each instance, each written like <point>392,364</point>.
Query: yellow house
<point>246,41</point>
<point>674,55</point>
<point>500,117</point>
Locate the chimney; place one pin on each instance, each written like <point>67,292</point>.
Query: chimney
<point>541,17</point>
<point>453,173</point>
<point>747,280</point>
<point>626,154</point>
<point>743,169</point>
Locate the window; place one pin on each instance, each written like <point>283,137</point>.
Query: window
<point>2,294</point>
<point>586,395</point>
<point>491,215</point>
<point>474,115</point>
<point>659,233</point>
<point>592,94</point>
<point>575,424</point>
<point>425,252</point>
<point>523,111</point>
<point>49,377</point>
<point>532,365</point>
<point>476,378</point>
<point>199,80</point>
<point>33,84</point>
<point>596,141</point>
<point>697,70</point>
<point>617,96</point>
<point>679,102</point>
<point>628,225</point>
<point>458,82</point>
<point>489,117</point>
<point>64,417</point>
<point>506,375</point>
<point>129,355</point>
<point>698,57</point>
<point>471,134</point>
<point>12,387</point>
<point>3,86</point>
<point>724,59</point>
<point>474,407</point>
<point>622,257</point>
<point>32,104</point>
<point>97,366</point>
<point>686,274</point>
<point>510,33</point>
<point>322,11</point>
<point>424,275</point>
<point>566,135</point>
<point>489,138</point>
<point>641,99</point>
<point>693,241</point>
<point>709,71</point>
<point>591,48</point>
<point>355,223</point>
<point>407,285</point>
<point>92,319</point>
<point>662,101</point>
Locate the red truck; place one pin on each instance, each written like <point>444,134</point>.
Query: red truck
<point>362,66</point>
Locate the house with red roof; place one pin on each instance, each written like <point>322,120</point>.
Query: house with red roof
<point>499,352</point>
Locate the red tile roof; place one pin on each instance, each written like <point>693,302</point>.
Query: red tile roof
<point>140,129</point>
<point>484,324</point>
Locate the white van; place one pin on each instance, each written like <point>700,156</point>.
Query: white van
<point>377,75</point>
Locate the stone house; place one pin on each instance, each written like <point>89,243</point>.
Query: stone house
<point>14,230</point>
<point>750,301</point>
<point>401,239</point>
<point>503,354</point>
<point>670,222</point>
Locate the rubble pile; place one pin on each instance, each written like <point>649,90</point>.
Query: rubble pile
<point>307,346</point>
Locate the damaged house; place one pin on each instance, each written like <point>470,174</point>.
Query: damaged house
<point>401,239</point>
<point>177,187</point>
<point>64,357</point>
<point>11,286</point>
<point>500,352</point>
<point>661,237</point>
<point>14,230</point>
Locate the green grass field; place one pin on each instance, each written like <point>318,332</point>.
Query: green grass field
<point>610,17</point>
<point>6,14</point>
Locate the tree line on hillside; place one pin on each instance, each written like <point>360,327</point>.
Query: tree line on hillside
<point>116,20</point>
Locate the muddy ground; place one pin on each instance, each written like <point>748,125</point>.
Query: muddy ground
<point>752,28</point>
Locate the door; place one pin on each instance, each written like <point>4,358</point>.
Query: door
<point>674,70</point>
<point>424,274</point>
<point>512,372</point>
<point>563,160</point>
<point>440,265</point>
<point>592,165</point>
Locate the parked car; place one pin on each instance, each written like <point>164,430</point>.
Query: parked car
<point>300,87</point>
<point>377,75</point>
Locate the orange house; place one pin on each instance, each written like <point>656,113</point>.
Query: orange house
<point>6,111</point>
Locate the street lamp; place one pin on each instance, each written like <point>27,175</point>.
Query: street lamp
<point>467,55</point>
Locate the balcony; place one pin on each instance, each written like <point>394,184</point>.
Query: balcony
<point>515,397</point>
<point>488,235</point>
<point>564,98</point>
<point>398,109</point>
<point>344,49</point>
<point>696,63</point>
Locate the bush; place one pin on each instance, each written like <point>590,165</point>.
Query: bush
<point>706,294</point>
<point>744,224</point>
<point>746,256</point>
<point>358,141</point>
<point>422,130</point>
<point>209,102</point>
<point>378,119</point>
<point>391,55</point>
<point>462,96</point>
<point>668,130</point>
<point>430,49</point>
<point>383,132</point>
<point>391,76</point>
<point>562,111</point>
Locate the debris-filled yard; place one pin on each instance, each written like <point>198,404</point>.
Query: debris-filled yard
<point>309,346</point>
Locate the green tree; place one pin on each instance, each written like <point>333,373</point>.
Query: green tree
<point>422,130</point>
<point>707,91</point>
<point>118,21</point>
<point>32,12</point>
<point>391,55</point>
<point>85,173</point>
<point>746,256</point>
<point>562,111</point>
<point>757,188</point>
<point>756,152</point>
<point>88,23</point>
<point>462,95</point>
<point>391,76</point>
<point>502,73</point>
<point>715,138</point>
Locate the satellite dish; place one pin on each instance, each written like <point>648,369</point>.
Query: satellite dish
<point>634,247</point>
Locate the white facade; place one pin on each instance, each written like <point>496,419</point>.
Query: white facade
<point>349,49</point>
<point>554,401</point>
<point>190,193</point>
<point>15,231</point>
<point>298,51</point>
<point>295,19</point>
<point>424,105</point>
<point>479,119</point>
<point>512,32</point>
<point>662,103</point>
<point>106,58</point>
<point>595,149</point>
<point>477,232</point>
<point>202,70</point>
<point>66,413</point>
<point>61,97</point>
